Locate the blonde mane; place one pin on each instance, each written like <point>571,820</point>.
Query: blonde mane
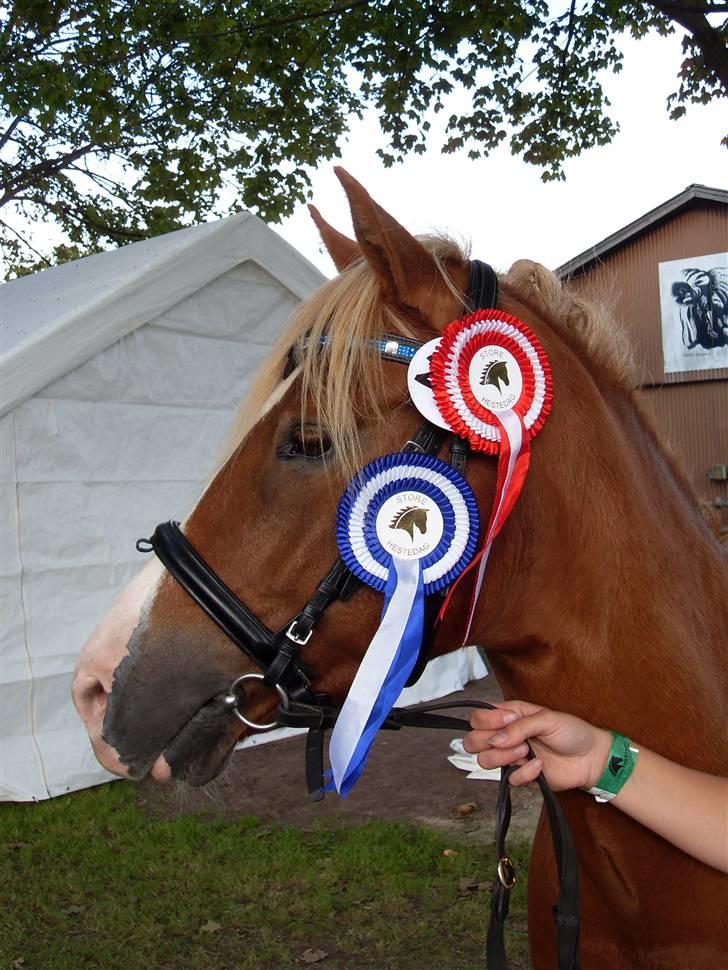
<point>351,311</point>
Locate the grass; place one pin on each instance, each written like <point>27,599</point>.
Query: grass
<point>89,880</point>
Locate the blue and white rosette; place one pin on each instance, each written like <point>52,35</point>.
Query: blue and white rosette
<point>407,525</point>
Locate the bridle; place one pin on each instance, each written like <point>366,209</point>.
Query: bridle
<point>282,668</point>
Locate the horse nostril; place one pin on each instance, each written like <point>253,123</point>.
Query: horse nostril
<point>90,699</point>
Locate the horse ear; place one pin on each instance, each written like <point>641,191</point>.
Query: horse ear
<point>340,248</point>
<point>408,271</point>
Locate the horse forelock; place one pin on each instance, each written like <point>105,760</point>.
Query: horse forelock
<point>343,380</point>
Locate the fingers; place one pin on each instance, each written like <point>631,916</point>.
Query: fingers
<point>498,758</point>
<point>504,713</point>
<point>485,722</point>
<point>526,773</point>
<point>540,724</point>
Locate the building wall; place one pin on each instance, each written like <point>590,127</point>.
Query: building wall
<point>689,409</point>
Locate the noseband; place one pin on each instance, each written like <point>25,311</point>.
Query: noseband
<point>278,657</point>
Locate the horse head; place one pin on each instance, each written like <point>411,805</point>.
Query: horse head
<point>149,681</point>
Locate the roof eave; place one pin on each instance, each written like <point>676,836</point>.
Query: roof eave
<point>692,193</point>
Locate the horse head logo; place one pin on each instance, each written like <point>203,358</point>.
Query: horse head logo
<point>409,517</point>
<point>494,373</point>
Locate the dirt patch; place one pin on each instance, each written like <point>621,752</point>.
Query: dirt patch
<point>407,777</point>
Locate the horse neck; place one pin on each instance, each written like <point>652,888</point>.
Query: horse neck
<point>609,595</point>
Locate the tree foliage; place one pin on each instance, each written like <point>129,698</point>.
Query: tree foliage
<point>123,120</point>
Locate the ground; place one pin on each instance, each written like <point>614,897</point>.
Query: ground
<point>249,875</point>
<point>407,777</point>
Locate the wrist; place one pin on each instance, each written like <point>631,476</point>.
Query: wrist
<point>615,769</point>
<point>599,756</point>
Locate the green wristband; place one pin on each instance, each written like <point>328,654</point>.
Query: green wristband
<point>620,765</point>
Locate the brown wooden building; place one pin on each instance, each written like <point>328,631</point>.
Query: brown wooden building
<point>666,277</point>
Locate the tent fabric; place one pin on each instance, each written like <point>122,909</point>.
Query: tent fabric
<point>121,375</point>
<point>57,319</point>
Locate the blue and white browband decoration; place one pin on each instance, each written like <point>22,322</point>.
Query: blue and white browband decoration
<point>406,525</point>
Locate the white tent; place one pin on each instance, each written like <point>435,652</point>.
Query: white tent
<point>121,372</point>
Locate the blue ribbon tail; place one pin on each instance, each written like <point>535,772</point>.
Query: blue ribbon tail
<point>375,690</point>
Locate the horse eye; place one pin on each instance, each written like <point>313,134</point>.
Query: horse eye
<point>307,441</point>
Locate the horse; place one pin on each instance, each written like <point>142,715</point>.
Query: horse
<point>606,593</point>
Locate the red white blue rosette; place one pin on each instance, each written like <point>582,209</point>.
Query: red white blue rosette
<point>468,393</point>
<point>491,382</point>
<point>407,525</point>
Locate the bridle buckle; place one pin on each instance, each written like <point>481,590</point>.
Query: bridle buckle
<point>300,641</point>
<point>506,872</point>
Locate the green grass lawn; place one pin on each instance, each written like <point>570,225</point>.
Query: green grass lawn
<point>90,880</point>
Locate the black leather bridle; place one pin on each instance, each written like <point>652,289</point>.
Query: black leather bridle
<point>281,666</point>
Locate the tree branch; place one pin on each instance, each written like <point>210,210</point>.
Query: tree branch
<point>49,167</point>
<point>25,242</point>
<point>707,38</point>
<point>567,45</point>
<point>283,22</point>
<point>7,134</point>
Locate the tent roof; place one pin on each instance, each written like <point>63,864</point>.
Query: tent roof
<point>58,318</point>
<point>689,196</point>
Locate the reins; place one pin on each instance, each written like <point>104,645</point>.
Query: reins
<point>281,666</point>
<point>321,718</point>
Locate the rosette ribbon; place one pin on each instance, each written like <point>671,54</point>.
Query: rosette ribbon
<point>491,382</point>
<point>407,525</point>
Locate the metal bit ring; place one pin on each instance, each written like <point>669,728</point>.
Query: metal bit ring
<point>232,698</point>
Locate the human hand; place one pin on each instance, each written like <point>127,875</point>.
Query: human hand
<point>571,752</point>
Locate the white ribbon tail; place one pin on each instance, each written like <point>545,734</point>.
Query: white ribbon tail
<point>373,672</point>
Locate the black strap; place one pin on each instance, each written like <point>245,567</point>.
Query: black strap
<point>427,440</point>
<point>210,592</point>
<point>459,451</point>
<point>483,287</point>
<point>566,911</point>
<point>228,613</point>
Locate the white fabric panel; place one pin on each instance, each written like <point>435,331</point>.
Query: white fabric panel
<point>445,674</point>
<point>123,440</point>
<point>153,366</point>
<point>57,319</point>
<point>101,520</point>
<point>110,442</point>
<point>71,575</point>
<point>69,760</point>
<point>10,566</point>
<point>246,304</point>
<point>81,595</point>
<point>21,771</point>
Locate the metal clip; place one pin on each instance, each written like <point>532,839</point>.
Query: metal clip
<point>506,872</point>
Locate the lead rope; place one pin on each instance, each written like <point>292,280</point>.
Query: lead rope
<point>566,910</point>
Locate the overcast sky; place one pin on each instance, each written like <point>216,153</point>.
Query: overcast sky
<point>502,205</point>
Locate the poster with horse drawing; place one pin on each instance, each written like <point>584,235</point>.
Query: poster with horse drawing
<point>694,304</point>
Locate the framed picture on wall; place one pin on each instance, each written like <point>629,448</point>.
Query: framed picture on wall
<point>694,306</point>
